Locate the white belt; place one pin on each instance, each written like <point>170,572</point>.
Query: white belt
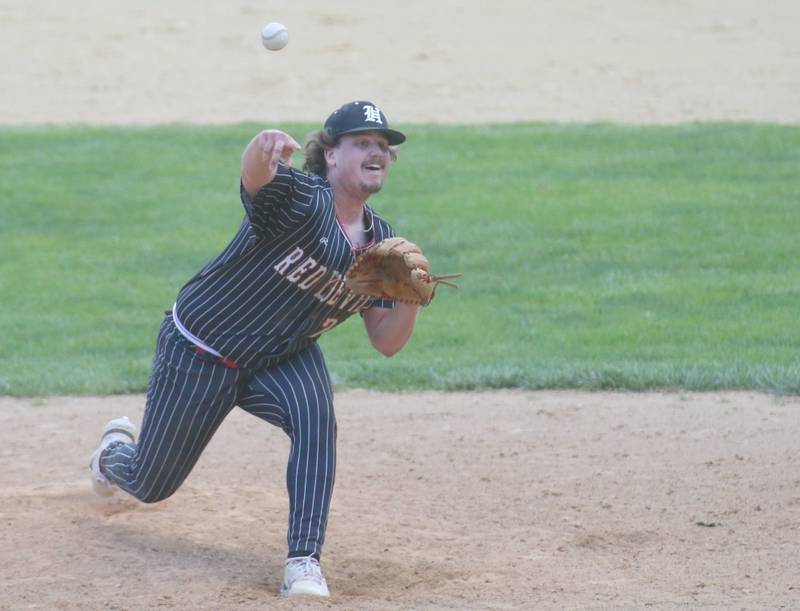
<point>196,341</point>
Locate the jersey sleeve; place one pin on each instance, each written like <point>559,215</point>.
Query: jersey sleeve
<point>281,205</point>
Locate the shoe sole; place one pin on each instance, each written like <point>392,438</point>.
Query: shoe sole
<point>301,592</point>
<point>102,487</point>
<point>301,588</point>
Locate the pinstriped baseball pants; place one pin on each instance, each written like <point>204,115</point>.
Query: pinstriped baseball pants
<point>188,397</point>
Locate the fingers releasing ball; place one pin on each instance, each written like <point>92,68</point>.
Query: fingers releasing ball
<point>274,36</point>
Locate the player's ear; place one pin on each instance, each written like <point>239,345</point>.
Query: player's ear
<point>330,156</point>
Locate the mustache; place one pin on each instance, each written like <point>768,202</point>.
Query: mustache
<point>375,160</point>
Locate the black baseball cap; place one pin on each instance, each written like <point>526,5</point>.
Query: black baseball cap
<point>361,117</point>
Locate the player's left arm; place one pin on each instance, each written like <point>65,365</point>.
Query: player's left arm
<point>390,328</point>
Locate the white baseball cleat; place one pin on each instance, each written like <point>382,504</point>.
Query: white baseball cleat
<point>303,576</point>
<point>118,429</point>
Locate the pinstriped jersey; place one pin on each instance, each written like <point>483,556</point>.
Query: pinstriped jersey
<point>278,285</point>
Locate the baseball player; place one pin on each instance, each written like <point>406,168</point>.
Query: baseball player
<point>243,331</point>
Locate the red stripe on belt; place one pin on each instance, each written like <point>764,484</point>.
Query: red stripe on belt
<point>220,359</point>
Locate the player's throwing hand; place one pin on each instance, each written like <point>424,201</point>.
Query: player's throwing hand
<point>261,157</point>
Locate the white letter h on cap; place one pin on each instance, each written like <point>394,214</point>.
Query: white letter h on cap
<point>372,114</point>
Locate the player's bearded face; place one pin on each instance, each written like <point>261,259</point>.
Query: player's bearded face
<point>361,162</point>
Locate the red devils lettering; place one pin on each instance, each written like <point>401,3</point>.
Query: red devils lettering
<point>337,294</point>
<point>295,255</point>
<point>308,272</point>
<point>330,286</point>
<point>301,269</point>
<point>309,282</point>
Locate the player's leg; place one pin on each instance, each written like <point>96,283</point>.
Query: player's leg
<point>188,397</point>
<point>297,396</point>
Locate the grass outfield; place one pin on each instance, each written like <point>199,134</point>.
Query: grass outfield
<point>595,257</point>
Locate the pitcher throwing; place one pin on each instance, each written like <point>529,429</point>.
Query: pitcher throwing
<point>243,331</point>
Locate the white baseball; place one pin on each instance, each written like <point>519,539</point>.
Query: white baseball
<point>274,36</point>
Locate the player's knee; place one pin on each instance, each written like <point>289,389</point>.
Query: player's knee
<point>319,420</point>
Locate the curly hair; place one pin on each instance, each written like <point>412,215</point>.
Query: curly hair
<point>314,152</point>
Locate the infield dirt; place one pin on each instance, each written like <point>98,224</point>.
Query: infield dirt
<point>488,500</point>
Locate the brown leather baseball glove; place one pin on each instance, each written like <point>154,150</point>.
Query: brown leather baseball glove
<point>395,269</point>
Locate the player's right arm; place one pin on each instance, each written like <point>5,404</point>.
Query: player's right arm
<point>261,156</point>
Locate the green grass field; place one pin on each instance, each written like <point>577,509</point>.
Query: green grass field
<point>594,257</point>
